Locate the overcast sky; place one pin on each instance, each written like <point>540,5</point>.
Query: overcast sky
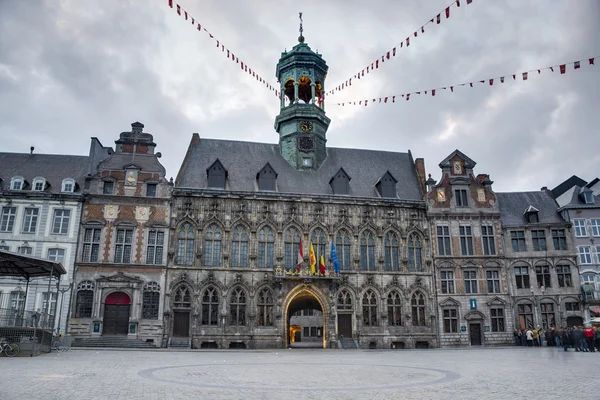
<point>72,69</point>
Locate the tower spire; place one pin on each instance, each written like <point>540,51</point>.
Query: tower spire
<point>301,37</point>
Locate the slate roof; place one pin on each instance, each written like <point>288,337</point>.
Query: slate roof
<point>244,159</point>
<point>568,184</point>
<point>577,202</point>
<point>147,162</point>
<point>513,205</point>
<point>53,167</point>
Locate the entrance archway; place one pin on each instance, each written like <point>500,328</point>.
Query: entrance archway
<point>307,328</point>
<point>116,314</point>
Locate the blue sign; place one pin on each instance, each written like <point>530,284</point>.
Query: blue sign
<point>473,304</point>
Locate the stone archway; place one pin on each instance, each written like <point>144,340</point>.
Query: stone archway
<point>301,297</point>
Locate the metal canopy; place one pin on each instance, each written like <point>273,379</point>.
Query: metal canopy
<point>12,264</point>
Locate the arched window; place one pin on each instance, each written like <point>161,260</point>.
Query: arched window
<point>391,252</point>
<point>265,308</point>
<point>39,184</point>
<point>266,248</point>
<point>239,247</point>
<point>151,300</point>
<point>85,299</point>
<point>212,246</point>
<point>342,248</point>
<point>394,308</point>
<point>344,301</point>
<point>319,241</point>
<point>210,306</point>
<point>369,307</point>
<point>183,297</point>
<point>367,251</point>
<point>414,253</point>
<point>237,307</point>
<point>417,303</point>
<point>185,245</point>
<point>68,185</point>
<point>291,243</point>
<point>16,183</point>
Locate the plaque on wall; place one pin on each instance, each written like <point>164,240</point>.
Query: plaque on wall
<point>481,195</point>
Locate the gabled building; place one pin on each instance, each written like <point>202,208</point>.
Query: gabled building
<point>473,301</point>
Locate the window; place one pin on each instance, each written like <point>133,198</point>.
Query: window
<point>538,239</point>
<point>307,162</point>
<point>559,239</point>
<point>17,300</point>
<point>344,301</point>
<point>497,317</point>
<point>306,331</point>
<point>563,273</point>
<point>151,190</point>
<point>237,307</point>
<point>414,253</point>
<point>266,178</point>
<point>585,257</point>
<point>597,252</point>
<point>212,246</point>
<point>16,183</point>
<point>394,308</point>
<point>183,297</point>
<point>367,251</point>
<point>450,320</point>
<point>26,250</point>
<point>525,312</point>
<point>447,280</point>
<point>548,320</point>
<point>291,244</point>
<point>487,237</point>
<point>30,220</point>
<point>38,184</point>
<point>461,198</point>
<point>369,308</point>
<point>470,278</point>
<point>588,278</point>
<point>239,247</point>
<point>91,245</point>
<point>7,221</point>
<point>151,300</point>
<point>60,225</point>
<point>443,240</point>
<point>542,273</point>
<point>595,224</point>
<point>210,306</point>
<point>265,308</point>
<point>580,229</point>
<point>56,255</point>
<point>340,183</point>
<point>588,197</point>
<point>493,281</point>
<point>522,277</point>
<point>266,248</point>
<point>417,303</point>
<point>517,238</point>
<point>49,303</point>
<point>466,240</point>
<point>109,187</point>
<point>387,185</point>
<point>342,248</point>
<point>319,241</point>
<point>85,299</point>
<point>154,249</point>
<point>123,246</point>
<point>68,186</point>
<point>391,252</point>
<point>185,245</point>
<point>216,175</point>
<point>572,306</point>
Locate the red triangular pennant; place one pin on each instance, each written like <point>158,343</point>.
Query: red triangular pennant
<point>471,84</point>
<point>447,12</point>
<point>457,3</point>
<point>422,29</point>
<point>387,55</point>
<point>377,64</point>
<point>199,27</point>
<point>385,100</point>
<point>469,1</point>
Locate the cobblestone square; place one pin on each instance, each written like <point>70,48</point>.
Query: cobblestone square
<point>501,373</point>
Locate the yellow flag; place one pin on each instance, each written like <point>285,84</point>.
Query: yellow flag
<point>313,259</point>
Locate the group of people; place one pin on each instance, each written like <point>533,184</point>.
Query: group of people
<point>584,339</point>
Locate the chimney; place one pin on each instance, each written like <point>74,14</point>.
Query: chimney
<point>420,170</point>
<point>137,127</point>
<point>484,179</point>
<point>31,150</point>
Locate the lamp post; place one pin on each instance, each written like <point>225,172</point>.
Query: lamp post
<point>62,295</point>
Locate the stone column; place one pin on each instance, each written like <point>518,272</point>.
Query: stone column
<point>295,92</point>
<point>282,94</point>
<point>312,92</point>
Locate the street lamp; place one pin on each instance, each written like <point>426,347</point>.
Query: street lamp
<point>62,294</point>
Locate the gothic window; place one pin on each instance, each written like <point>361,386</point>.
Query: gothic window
<point>386,186</point>
<point>319,241</point>
<point>266,178</point>
<point>415,262</point>
<point>265,308</point>
<point>91,245</point>
<point>367,251</point>
<point>417,303</point>
<point>216,175</point>
<point>182,298</point>
<point>84,300</point>
<point>185,245</point>
<point>342,248</point>
<point>212,246</point>
<point>210,306</point>
<point>369,308</point>
<point>394,308</point>
<point>266,248</point>
<point>151,300</point>
<point>291,243</point>
<point>340,182</point>
<point>239,247</point>
<point>344,301</point>
<point>237,307</point>
<point>391,252</point>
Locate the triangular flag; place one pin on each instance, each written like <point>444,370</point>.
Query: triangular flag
<point>457,3</point>
<point>394,54</point>
<point>185,12</point>
<point>199,27</point>
<point>591,61</point>
<point>502,79</point>
<point>407,41</point>
<point>387,55</point>
<point>471,84</point>
<point>452,89</point>
<point>433,92</point>
<point>385,100</point>
<point>178,9</point>
<point>469,1</point>
<point>393,99</point>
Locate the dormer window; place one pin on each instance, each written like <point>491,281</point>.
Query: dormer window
<point>531,215</point>
<point>588,196</point>
<point>340,182</point>
<point>109,187</point>
<point>266,177</point>
<point>216,175</point>
<point>68,185</point>
<point>16,183</point>
<point>386,185</point>
<point>39,184</point>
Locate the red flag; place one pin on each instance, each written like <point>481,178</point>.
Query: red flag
<point>360,102</point>
<point>394,54</point>
<point>374,100</point>
<point>524,76</point>
<point>591,61</point>
<point>407,96</point>
<point>437,18</point>
<point>491,82</point>
<point>452,89</point>
<point>447,12</point>
<point>387,55</point>
<point>171,3</point>
<point>422,29</point>
<point>350,82</point>
<point>469,1</point>
<point>178,9</point>
<point>366,101</point>
<point>377,64</point>
<point>563,68</point>
<point>576,65</point>
<point>471,84</point>
<point>433,92</point>
<point>385,100</point>
<point>217,43</point>
<point>199,27</point>
<point>514,76</point>
<point>300,256</point>
<point>407,41</point>
<point>502,79</point>
<point>227,53</point>
<point>242,66</point>
<point>393,99</point>
<point>539,71</point>
<point>322,265</point>
<point>457,3</point>
<point>415,33</point>
<point>185,13</point>
<point>193,22</point>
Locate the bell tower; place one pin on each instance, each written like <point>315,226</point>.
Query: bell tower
<point>302,123</point>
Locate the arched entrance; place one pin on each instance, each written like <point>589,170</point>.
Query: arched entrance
<point>306,317</point>
<point>116,314</point>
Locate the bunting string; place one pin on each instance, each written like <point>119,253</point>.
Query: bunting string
<point>224,50</point>
<point>562,68</point>
<point>392,52</point>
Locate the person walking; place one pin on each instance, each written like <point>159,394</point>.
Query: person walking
<point>564,336</point>
<point>589,338</point>
<point>576,337</point>
<point>529,336</point>
<point>517,338</point>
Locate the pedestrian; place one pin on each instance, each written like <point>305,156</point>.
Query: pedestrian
<point>35,318</point>
<point>597,338</point>
<point>536,342</point>
<point>529,336</point>
<point>517,338</point>
<point>565,337</point>
<point>576,338</point>
<point>589,338</point>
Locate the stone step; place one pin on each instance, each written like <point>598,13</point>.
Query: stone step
<point>120,342</point>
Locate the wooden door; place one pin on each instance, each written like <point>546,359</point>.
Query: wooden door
<point>475,334</point>
<point>116,319</point>
<point>345,326</point>
<point>181,323</point>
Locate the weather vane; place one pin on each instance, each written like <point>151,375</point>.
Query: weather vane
<point>301,38</point>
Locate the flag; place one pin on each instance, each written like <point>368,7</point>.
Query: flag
<point>171,3</point>
<point>322,265</point>
<point>313,259</point>
<point>591,61</point>
<point>300,255</point>
<point>524,76</point>
<point>334,259</point>
<point>576,65</point>
<point>563,68</point>
<point>178,9</point>
<point>447,12</point>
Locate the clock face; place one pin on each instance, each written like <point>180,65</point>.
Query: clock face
<point>306,126</point>
<point>306,143</point>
